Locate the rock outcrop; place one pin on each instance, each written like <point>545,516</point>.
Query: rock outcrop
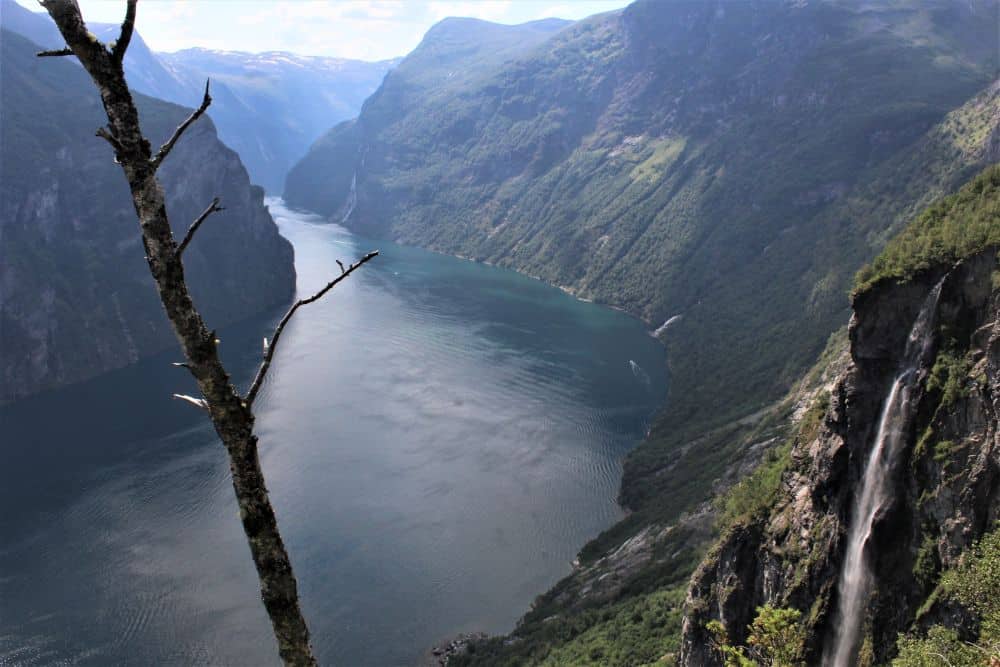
<point>945,482</point>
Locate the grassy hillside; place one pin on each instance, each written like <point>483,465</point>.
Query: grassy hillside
<point>956,226</point>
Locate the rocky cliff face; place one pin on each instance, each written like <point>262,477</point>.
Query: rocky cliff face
<point>76,298</point>
<point>945,483</point>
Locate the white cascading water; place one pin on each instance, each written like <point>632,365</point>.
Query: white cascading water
<point>876,489</point>
<point>352,199</point>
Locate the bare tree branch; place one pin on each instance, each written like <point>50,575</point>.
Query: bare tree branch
<point>167,147</point>
<point>231,417</point>
<point>121,44</point>
<point>341,265</point>
<point>55,53</point>
<point>105,133</point>
<point>269,347</point>
<point>212,208</point>
<point>197,402</point>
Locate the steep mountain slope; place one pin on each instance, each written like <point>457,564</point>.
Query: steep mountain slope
<point>943,481</point>
<point>76,297</point>
<point>726,166</point>
<point>454,55</point>
<point>268,107</point>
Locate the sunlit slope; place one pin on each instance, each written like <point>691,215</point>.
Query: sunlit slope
<point>731,163</point>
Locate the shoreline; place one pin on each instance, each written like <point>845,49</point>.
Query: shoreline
<point>441,653</point>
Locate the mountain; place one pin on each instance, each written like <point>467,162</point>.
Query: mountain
<point>918,371</point>
<point>720,170</point>
<point>76,297</point>
<point>934,589</point>
<point>727,167</point>
<point>268,107</point>
<point>454,54</point>
<point>271,106</point>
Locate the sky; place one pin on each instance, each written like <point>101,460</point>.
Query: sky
<point>362,29</point>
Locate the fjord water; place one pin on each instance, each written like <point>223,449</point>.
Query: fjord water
<point>439,438</point>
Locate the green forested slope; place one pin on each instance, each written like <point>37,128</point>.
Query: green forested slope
<point>641,622</point>
<point>455,53</point>
<point>956,226</point>
<point>731,163</point>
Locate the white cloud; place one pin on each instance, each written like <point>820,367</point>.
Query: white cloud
<point>555,11</point>
<point>488,10</point>
<point>364,29</point>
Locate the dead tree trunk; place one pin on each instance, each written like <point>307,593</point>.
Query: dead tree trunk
<point>230,412</point>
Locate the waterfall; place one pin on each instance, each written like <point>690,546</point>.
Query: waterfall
<point>352,198</point>
<point>666,325</point>
<point>876,489</point>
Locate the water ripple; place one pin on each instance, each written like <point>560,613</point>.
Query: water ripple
<point>439,439</point>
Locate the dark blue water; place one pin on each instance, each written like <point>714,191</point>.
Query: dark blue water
<point>439,438</point>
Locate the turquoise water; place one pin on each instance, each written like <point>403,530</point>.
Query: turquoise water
<point>439,438</point>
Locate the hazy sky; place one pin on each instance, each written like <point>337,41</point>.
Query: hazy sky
<point>365,29</point>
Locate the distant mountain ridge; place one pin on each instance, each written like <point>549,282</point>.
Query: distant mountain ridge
<point>268,107</point>
<point>146,73</point>
<point>271,106</point>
